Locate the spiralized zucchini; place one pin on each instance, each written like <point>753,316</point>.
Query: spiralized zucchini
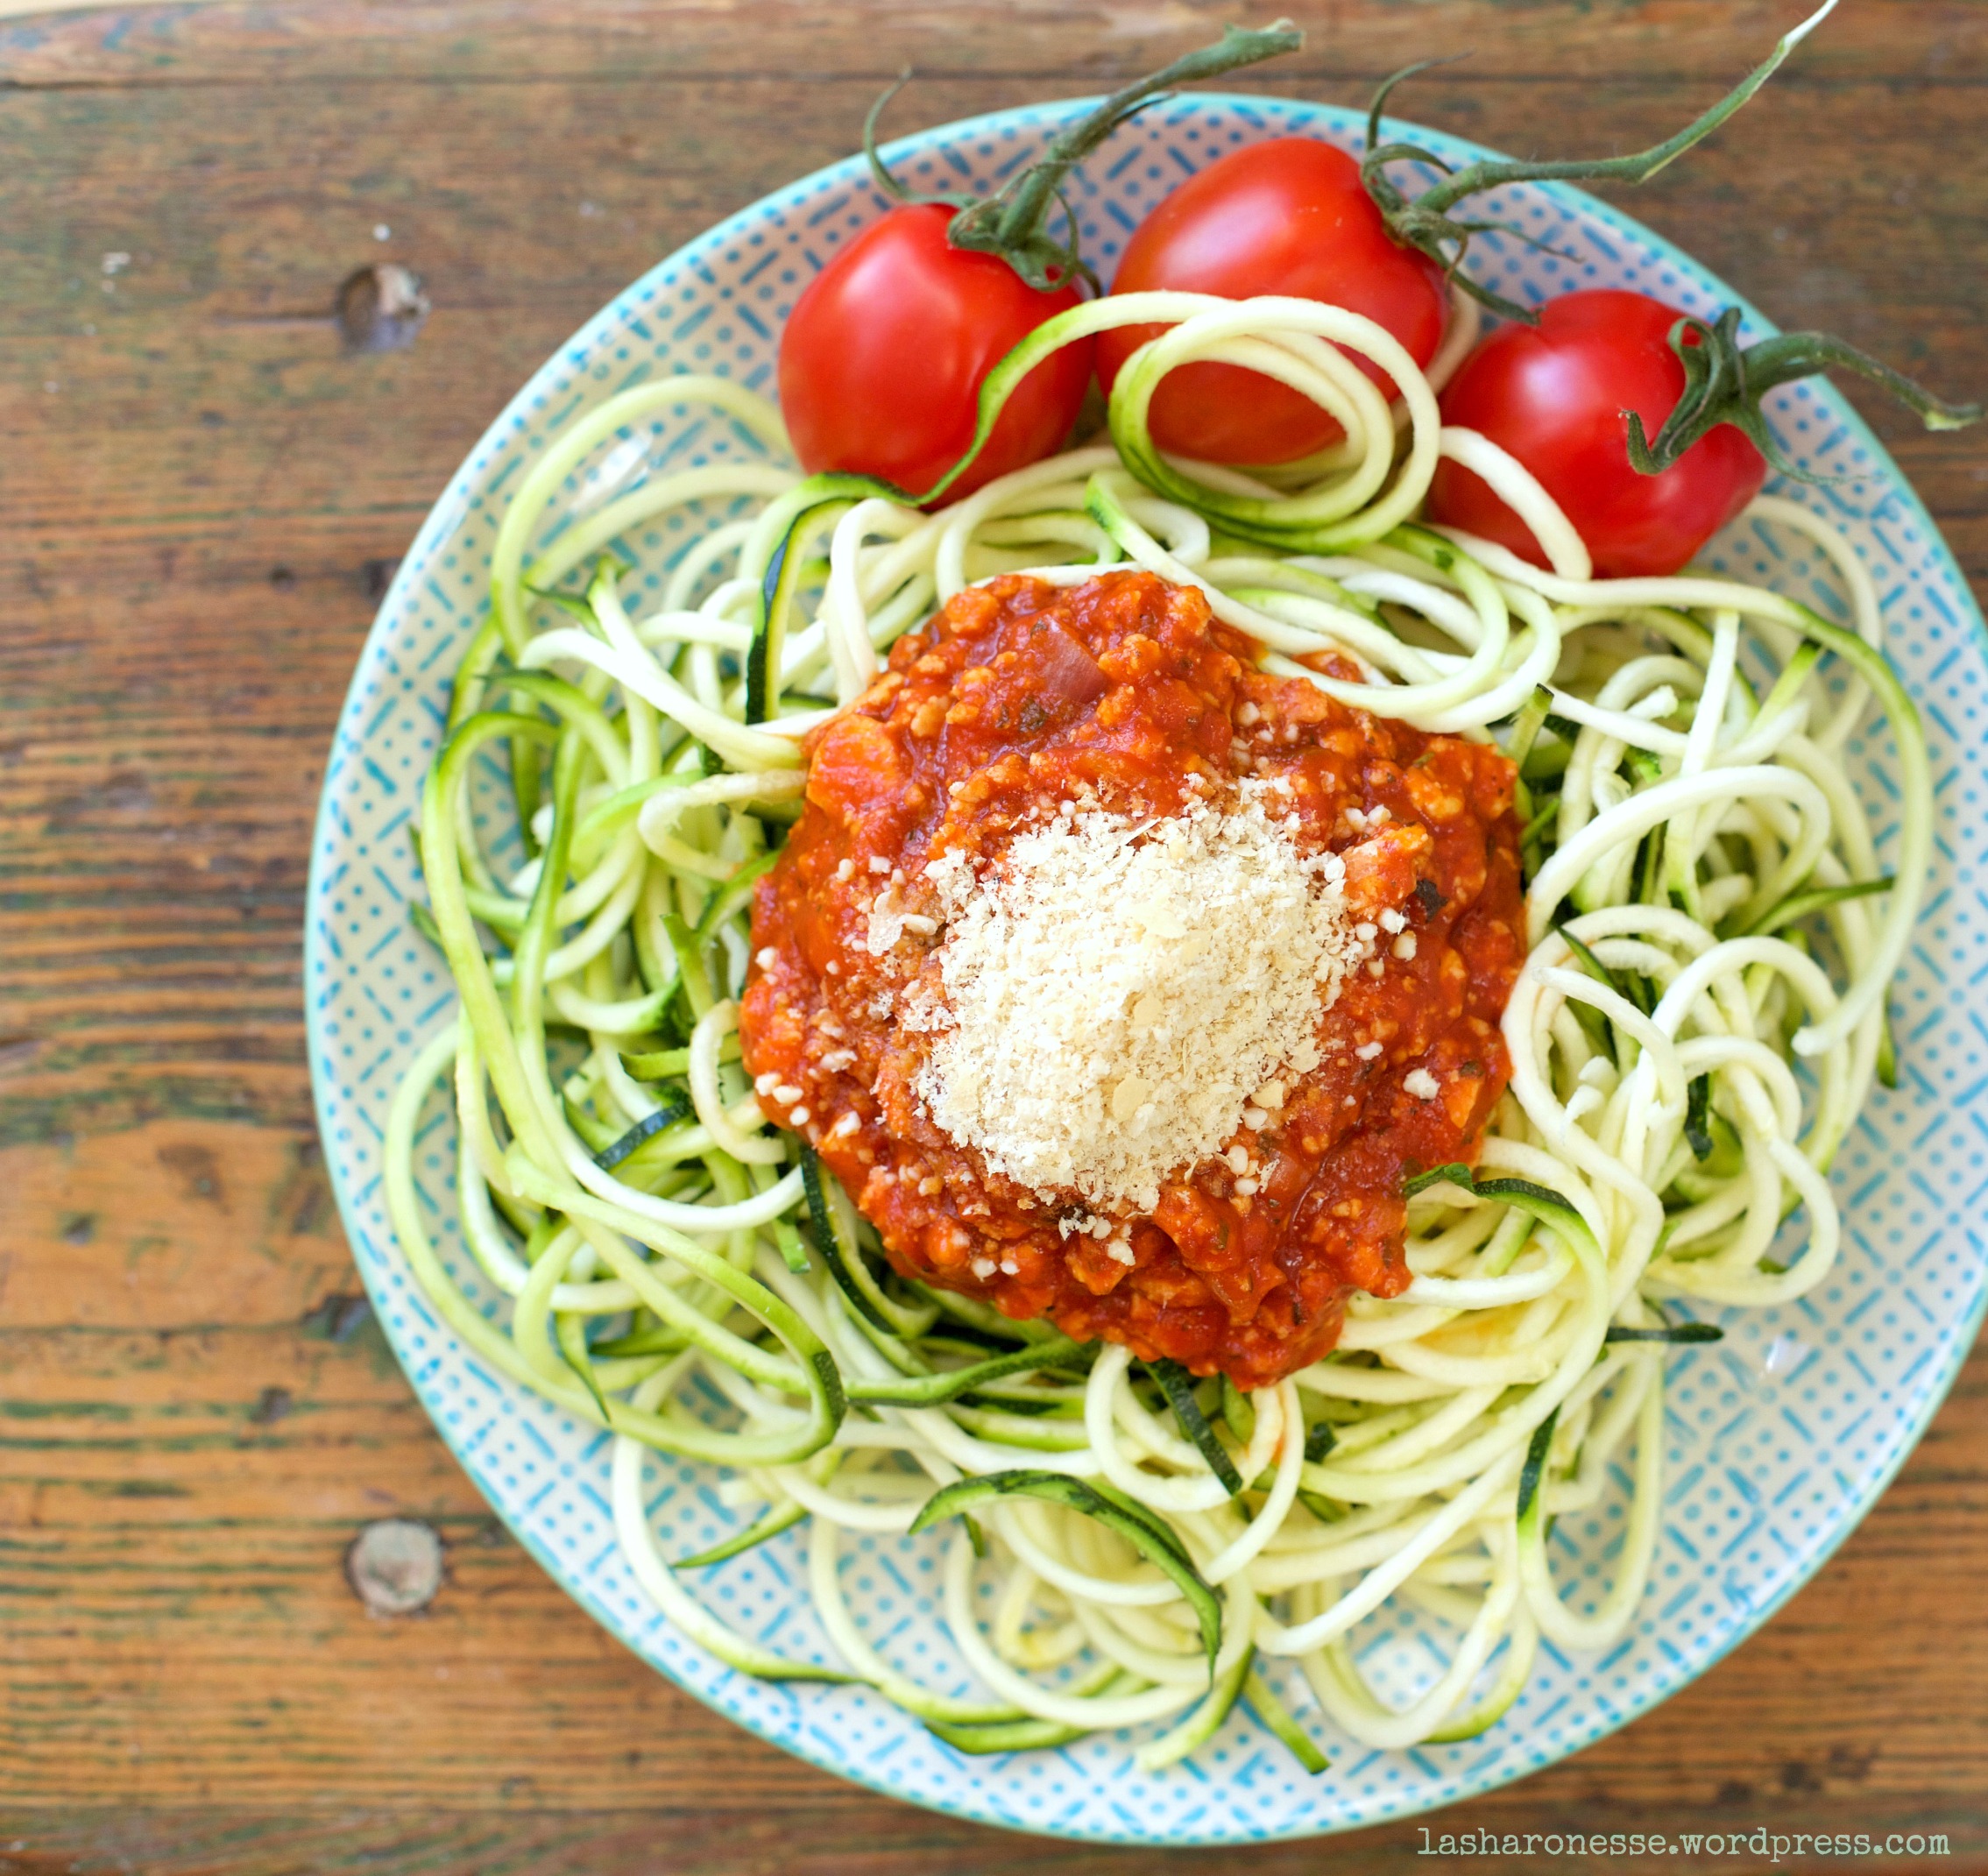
<point>1700,1018</point>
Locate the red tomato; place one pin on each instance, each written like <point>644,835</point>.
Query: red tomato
<point>883,360</point>
<point>1289,216</point>
<point>1556,395</point>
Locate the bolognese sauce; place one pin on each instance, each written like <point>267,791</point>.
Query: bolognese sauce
<point>1023,700</point>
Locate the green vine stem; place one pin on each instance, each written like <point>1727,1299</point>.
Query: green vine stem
<point>1724,384</point>
<point>1012,222</point>
<point>1424,222</point>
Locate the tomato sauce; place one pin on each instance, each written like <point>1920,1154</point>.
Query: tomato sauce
<point>1016,697</point>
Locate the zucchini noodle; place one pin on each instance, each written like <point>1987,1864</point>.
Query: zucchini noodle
<point>1700,1019</point>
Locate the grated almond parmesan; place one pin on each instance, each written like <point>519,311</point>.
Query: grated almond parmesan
<point>1114,991</point>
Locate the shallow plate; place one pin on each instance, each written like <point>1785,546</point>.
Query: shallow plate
<point>1780,1437</point>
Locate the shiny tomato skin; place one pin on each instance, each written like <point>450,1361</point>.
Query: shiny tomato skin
<point>1555,395</point>
<point>884,354</point>
<point>1288,216</point>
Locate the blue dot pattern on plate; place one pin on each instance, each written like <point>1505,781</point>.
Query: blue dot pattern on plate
<point>1780,1437</point>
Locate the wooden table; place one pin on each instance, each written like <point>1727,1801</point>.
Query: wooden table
<point>201,499</point>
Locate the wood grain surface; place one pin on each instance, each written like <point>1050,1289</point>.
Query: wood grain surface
<point>200,499</point>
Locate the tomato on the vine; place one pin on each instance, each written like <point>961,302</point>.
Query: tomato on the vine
<point>1558,396</point>
<point>884,355</point>
<point>1643,423</point>
<point>1292,217</point>
<point>1301,219</point>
